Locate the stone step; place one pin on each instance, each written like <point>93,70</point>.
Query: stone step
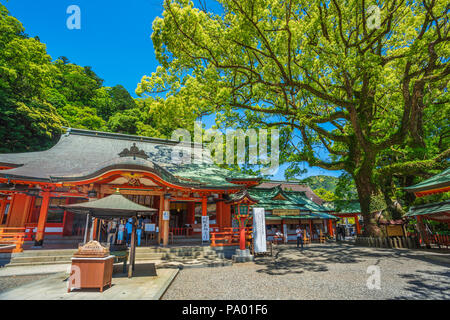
<point>149,256</point>
<point>21,264</point>
<point>39,252</point>
<point>36,259</point>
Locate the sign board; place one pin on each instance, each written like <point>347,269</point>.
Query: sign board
<point>259,230</point>
<point>205,228</point>
<point>394,231</point>
<point>149,227</point>
<point>286,212</point>
<point>166,215</point>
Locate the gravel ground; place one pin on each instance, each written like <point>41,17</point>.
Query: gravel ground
<point>327,271</point>
<point>10,282</point>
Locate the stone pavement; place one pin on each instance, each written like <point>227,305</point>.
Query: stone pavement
<point>322,271</point>
<point>141,286</point>
<point>32,270</point>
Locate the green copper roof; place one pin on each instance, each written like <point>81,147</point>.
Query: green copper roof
<point>438,181</point>
<point>435,210</point>
<point>294,200</point>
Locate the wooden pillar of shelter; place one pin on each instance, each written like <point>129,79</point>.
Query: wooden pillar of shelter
<point>94,229</point>
<point>39,240</point>
<point>358,226</point>
<point>166,222</point>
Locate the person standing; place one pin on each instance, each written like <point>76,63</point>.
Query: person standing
<point>139,230</point>
<point>121,232</point>
<point>299,233</point>
<point>129,227</point>
<point>112,230</point>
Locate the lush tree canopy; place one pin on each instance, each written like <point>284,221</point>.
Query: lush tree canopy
<point>38,96</point>
<point>332,75</point>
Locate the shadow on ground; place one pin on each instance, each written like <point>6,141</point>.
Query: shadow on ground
<point>316,257</point>
<point>426,285</point>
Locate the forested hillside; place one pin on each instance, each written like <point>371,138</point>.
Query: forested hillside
<point>39,95</point>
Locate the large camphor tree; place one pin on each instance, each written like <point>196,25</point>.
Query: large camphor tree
<point>353,78</point>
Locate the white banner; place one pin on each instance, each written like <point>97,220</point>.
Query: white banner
<point>166,215</point>
<point>259,230</point>
<point>285,233</point>
<point>205,228</point>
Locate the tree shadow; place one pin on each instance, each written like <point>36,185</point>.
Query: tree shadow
<point>316,257</point>
<point>427,285</point>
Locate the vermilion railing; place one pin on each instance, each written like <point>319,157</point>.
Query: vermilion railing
<point>12,239</point>
<point>437,239</point>
<point>228,237</point>
<point>50,229</point>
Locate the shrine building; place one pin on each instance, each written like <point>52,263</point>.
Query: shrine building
<point>166,175</point>
<point>89,164</point>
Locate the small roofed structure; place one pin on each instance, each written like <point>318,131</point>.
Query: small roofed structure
<point>346,209</point>
<point>436,184</point>
<point>284,207</point>
<point>292,186</point>
<point>113,206</point>
<point>438,211</point>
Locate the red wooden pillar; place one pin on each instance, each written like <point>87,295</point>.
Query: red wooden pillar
<point>330,228</point>
<point>160,214</point>
<point>358,226</point>
<point>219,214</point>
<point>39,240</point>
<point>166,223</point>
<point>204,206</point>
<point>226,215</point>
<point>191,213</point>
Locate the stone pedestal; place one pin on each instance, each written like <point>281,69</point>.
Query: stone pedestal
<point>242,256</point>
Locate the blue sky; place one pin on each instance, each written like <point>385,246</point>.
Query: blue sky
<point>114,40</point>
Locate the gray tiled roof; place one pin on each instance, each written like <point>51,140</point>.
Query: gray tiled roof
<point>81,154</point>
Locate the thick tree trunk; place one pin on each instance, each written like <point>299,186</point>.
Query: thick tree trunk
<point>394,208</point>
<point>366,189</point>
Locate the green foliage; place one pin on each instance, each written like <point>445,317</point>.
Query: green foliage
<point>315,70</point>
<point>38,97</point>
<point>325,194</point>
<point>325,182</point>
